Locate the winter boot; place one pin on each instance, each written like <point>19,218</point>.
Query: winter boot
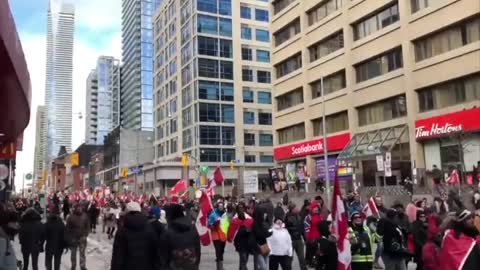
<point>219,265</point>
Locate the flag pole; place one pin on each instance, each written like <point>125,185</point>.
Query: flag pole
<point>325,144</point>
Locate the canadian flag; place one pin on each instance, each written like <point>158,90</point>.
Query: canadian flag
<point>202,219</point>
<point>210,189</point>
<point>340,228</point>
<point>370,209</point>
<point>218,176</point>
<point>180,187</point>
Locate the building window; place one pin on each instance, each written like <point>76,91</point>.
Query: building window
<point>209,112</point>
<point>208,90</point>
<point>210,155</point>
<point>247,75</point>
<point>228,114</point>
<point>207,46</point>
<point>279,5</point>
<point>262,35</point>
<point>291,134</point>
<point>266,140</point>
<point>173,145</point>
<point>249,158</point>
<point>248,117</point>
<point>228,135</point>
<point>448,39</point>
<point>187,138</point>
<point>331,83</point>
<point>226,70</point>
<point>382,111</point>
<point>261,15</point>
<point>262,56</point>
<point>207,68</point>
<point>376,22</point>
<point>265,118</point>
<point>249,138</point>
<point>245,12</point>
<point>263,76</point>
<point>246,54</point>
<point>246,32</point>
<point>173,125</point>
<point>264,97</point>
<point>290,99</point>
<point>289,65</point>
<point>227,92</point>
<point>225,7</point>
<point>226,49</point>
<point>266,159</point>
<point>326,46</point>
<point>207,24</point>
<point>335,123</point>
<point>322,10</point>
<point>207,6</point>
<point>225,27</point>
<point>287,32</point>
<point>247,95</point>
<point>228,155</point>
<point>449,93</point>
<point>421,4</point>
<point>379,65</point>
<point>209,135</point>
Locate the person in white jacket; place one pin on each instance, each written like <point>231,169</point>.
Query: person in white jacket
<point>280,244</point>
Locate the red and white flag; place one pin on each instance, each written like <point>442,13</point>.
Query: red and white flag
<point>340,228</point>
<point>180,187</point>
<point>370,208</point>
<point>202,219</point>
<point>453,179</point>
<point>218,176</point>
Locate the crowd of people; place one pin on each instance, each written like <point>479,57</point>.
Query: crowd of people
<point>161,235</point>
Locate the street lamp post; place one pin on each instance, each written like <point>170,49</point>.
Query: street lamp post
<point>325,144</point>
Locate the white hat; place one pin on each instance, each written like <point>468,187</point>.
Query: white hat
<point>133,207</point>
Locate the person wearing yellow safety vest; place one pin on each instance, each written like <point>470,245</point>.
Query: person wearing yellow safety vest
<point>362,239</point>
<point>216,221</point>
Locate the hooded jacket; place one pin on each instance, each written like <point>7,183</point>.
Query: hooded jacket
<point>279,242</point>
<point>78,227</point>
<point>134,246</point>
<point>54,235</point>
<point>311,222</point>
<point>326,251</point>
<point>260,228</point>
<point>294,225</point>
<point>31,232</point>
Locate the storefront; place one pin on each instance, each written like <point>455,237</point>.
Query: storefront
<point>451,141</point>
<point>303,162</point>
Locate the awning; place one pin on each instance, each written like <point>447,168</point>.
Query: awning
<point>367,145</point>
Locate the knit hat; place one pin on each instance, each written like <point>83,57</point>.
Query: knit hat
<point>133,207</point>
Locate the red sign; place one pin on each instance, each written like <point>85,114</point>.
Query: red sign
<point>335,143</point>
<point>439,126</point>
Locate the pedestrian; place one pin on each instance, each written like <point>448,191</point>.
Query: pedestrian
<point>55,241</point>
<point>66,207</point>
<point>180,244</point>
<point>239,232</point>
<point>76,231</point>
<point>112,219</point>
<point>261,231</point>
<point>105,212</point>
<point>311,231</point>
<point>279,212</point>
<point>294,225</point>
<point>280,244</point>
<point>8,228</point>
<point>31,237</point>
<point>394,247</point>
<point>420,236</point>
<point>218,236</point>
<point>135,244</point>
<point>93,213</point>
<point>354,204</point>
<point>431,249</point>
<point>362,240</point>
<point>325,248</point>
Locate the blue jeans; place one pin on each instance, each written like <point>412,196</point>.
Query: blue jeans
<point>378,252</point>
<point>260,261</point>
<point>243,260</point>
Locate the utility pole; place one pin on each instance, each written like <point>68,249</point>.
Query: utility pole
<point>325,144</point>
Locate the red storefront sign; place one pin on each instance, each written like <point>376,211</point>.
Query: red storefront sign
<point>334,143</point>
<point>444,125</point>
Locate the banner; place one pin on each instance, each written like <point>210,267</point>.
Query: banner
<point>250,182</point>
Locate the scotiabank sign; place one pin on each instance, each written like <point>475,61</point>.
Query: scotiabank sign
<point>447,124</point>
<point>313,147</point>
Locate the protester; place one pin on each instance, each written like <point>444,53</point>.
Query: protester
<point>135,244</point>
<point>218,236</point>
<point>66,207</point>
<point>354,204</point>
<point>431,249</point>
<point>362,241</point>
<point>294,225</point>
<point>55,241</point>
<point>261,231</point>
<point>420,236</point>
<point>93,213</point>
<point>239,232</point>
<point>279,212</point>
<point>113,216</point>
<point>280,245</point>
<point>311,231</point>
<point>394,247</point>
<point>31,237</point>
<point>8,229</point>
<point>76,231</point>
<point>325,248</point>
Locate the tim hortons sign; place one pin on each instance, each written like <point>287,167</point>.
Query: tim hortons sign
<point>447,124</point>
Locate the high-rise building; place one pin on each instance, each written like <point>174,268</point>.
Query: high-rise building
<point>101,106</point>
<point>40,131</point>
<point>137,57</point>
<point>212,84</point>
<point>397,81</point>
<point>58,88</point>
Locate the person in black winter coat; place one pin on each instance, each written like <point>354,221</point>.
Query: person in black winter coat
<point>326,253</point>
<point>66,207</point>
<point>180,244</point>
<point>261,231</point>
<point>294,225</point>
<point>134,246</point>
<point>420,236</point>
<point>31,237</point>
<point>55,241</point>
<point>93,213</point>
<point>394,247</point>
<point>279,212</point>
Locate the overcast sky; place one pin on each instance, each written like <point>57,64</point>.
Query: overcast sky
<point>97,32</point>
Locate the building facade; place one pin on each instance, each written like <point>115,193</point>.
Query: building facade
<point>387,75</point>
<point>40,129</point>
<point>58,88</point>
<point>137,56</point>
<point>101,106</point>
<point>213,84</point>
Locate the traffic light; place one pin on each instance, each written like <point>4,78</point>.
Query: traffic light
<point>124,172</point>
<point>232,164</point>
<point>184,160</point>
<point>74,159</point>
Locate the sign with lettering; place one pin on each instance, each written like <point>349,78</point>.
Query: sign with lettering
<point>448,124</point>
